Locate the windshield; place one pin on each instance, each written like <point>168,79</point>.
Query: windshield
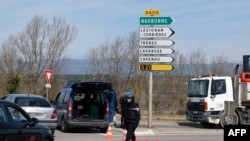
<point>198,88</point>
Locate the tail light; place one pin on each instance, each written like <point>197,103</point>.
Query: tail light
<point>34,138</point>
<point>69,111</point>
<point>54,115</point>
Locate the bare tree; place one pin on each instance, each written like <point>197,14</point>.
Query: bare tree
<point>197,62</point>
<point>219,65</point>
<point>12,66</point>
<point>41,45</point>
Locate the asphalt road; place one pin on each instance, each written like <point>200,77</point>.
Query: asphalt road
<point>161,130</point>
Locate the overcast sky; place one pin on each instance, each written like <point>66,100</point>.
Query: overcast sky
<point>218,27</point>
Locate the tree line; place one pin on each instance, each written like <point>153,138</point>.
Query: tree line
<point>43,45</point>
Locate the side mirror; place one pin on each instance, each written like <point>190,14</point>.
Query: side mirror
<point>34,120</point>
<point>51,101</point>
<point>213,96</point>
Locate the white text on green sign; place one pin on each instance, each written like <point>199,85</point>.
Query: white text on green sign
<point>155,32</point>
<point>166,51</point>
<point>155,59</point>
<point>165,42</point>
<point>156,20</point>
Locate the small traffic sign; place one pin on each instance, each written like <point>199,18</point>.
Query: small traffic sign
<point>156,67</point>
<point>156,42</point>
<point>156,59</point>
<point>47,85</point>
<point>152,12</point>
<point>165,51</point>
<point>48,75</point>
<point>155,32</point>
<point>156,20</point>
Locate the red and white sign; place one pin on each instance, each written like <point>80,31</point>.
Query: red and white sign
<point>48,75</point>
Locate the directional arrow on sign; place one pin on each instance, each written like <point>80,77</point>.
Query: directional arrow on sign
<point>156,42</point>
<point>166,51</point>
<point>156,59</point>
<point>155,32</point>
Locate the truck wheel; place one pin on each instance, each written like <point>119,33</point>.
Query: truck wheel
<point>64,127</point>
<point>229,119</point>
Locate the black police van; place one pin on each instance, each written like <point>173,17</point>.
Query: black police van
<point>83,104</point>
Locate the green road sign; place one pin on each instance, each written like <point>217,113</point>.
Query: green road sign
<point>156,20</point>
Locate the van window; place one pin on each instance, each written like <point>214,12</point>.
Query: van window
<point>66,97</point>
<point>61,97</point>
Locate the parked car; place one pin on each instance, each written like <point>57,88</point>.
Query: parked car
<point>84,104</point>
<point>17,125</point>
<point>36,106</point>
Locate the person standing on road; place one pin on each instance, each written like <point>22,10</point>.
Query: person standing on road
<point>111,98</point>
<point>131,115</point>
<point>122,102</point>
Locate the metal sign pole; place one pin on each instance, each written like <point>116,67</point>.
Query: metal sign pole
<point>47,90</point>
<point>47,93</point>
<point>150,99</point>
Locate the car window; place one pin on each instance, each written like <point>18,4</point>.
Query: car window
<point>16,115</point>
<point>32,101</point>
<point>2,115</point>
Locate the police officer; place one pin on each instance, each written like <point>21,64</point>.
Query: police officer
<point>132,116</point>
<point>122,102</point>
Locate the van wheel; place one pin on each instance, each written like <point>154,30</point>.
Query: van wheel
<point>103,130</point>
<point>64,127</point>
<point>53,131</point>
<point>229,119</point>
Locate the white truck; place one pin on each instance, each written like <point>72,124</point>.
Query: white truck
<point>219,100</point>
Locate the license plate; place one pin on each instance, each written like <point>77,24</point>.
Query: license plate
<point>195,112</point>
<point>36,114</point>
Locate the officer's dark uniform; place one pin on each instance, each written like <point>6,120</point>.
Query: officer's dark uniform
<point>132,116</point>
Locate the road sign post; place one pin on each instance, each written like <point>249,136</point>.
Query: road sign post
<point>48,77</point>
<point>149,34</point>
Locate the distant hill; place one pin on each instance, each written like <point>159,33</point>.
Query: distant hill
<point>76,66</point>
<point>81,66</point>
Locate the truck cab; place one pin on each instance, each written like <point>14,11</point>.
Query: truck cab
<point>206,99</point>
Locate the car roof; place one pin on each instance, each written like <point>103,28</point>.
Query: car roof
<point>24,95</point>
<point>4,101</point>
<point>8,102</point>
